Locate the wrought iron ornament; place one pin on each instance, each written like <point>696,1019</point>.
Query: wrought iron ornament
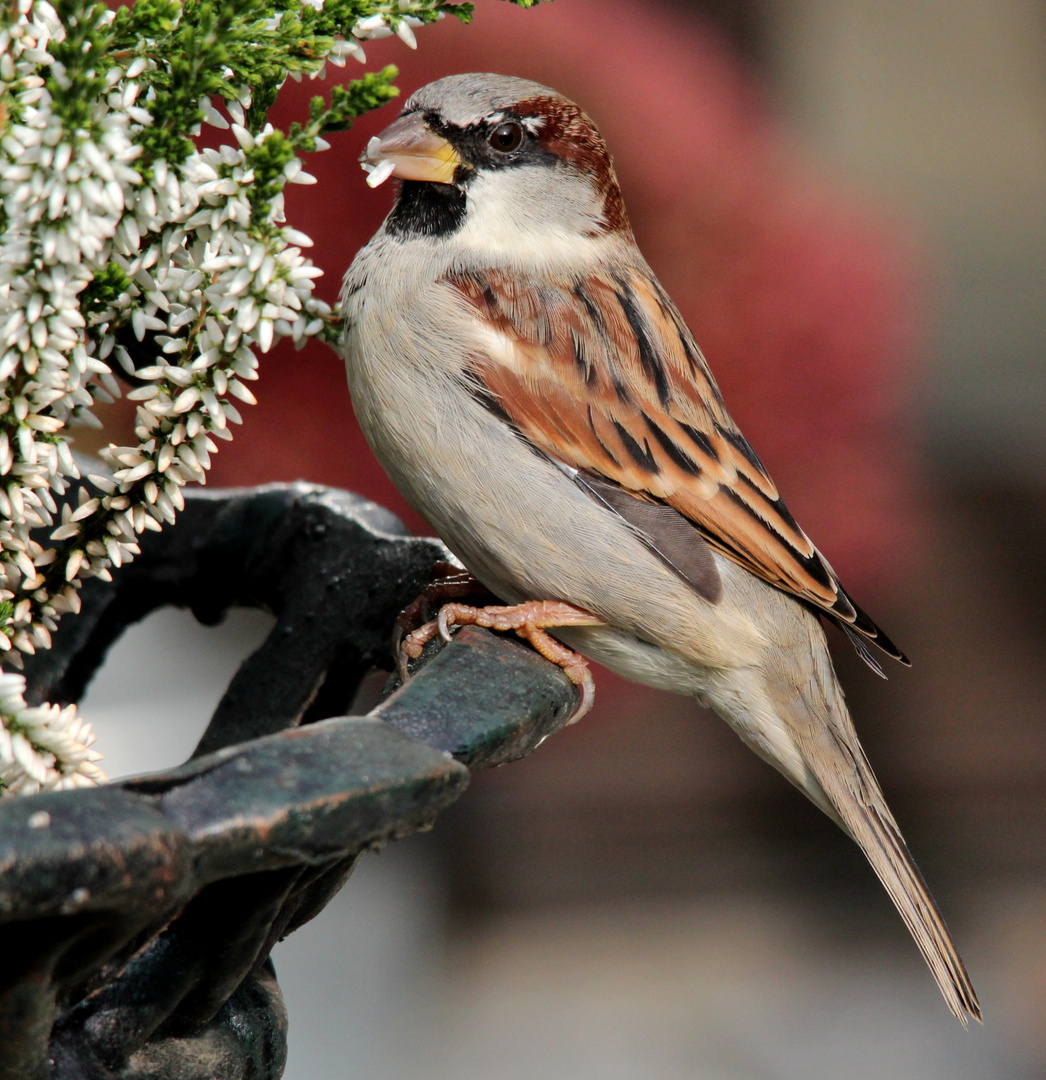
<point>136,920</point>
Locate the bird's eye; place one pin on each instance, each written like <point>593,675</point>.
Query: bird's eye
<point>506,137</point>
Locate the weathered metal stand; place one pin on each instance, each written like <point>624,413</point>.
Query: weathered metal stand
<point>136,919</point>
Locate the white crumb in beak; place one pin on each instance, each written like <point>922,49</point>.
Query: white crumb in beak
<point>379,173</point>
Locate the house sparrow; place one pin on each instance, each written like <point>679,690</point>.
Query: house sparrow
<point>533,392</point>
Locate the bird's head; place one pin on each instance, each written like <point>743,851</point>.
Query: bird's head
<point>497,161</point>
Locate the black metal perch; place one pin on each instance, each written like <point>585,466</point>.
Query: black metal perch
<point>136,919</point>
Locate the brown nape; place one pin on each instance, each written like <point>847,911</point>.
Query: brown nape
<point>569,134</point>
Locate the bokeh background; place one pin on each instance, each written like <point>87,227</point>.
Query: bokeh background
<point>846,200</point>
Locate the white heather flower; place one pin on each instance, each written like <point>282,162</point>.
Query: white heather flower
<point>367,27</point>
<point>209,282</point>
<point>42,747</point>
<point>406,35</point>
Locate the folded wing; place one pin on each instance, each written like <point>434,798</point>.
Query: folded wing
<point>601,374</point>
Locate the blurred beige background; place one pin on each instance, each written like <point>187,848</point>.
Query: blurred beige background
<point>643,899</point>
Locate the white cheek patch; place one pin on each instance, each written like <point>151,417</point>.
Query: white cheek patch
<point>529,217</point>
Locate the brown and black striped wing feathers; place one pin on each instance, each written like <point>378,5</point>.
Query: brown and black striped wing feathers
<point>602,374</point>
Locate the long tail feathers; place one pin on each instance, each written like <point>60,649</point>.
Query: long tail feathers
<point>903,881</point>
<point>850,784</point>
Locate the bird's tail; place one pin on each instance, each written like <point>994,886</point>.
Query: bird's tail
<point>836,760</point>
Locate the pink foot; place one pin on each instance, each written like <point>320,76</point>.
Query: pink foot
<point>530,621</point>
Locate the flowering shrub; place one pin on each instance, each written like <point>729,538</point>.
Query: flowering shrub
<point>125,249</point>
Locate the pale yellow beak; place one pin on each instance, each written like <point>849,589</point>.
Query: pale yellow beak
<point>411,150</point>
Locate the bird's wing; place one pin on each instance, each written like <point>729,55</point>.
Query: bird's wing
<point>601,374</point>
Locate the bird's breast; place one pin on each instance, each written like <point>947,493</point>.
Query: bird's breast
<point>515,519</point>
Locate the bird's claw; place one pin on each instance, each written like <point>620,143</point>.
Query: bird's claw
<point>530,621</point>
<point>414,626</point>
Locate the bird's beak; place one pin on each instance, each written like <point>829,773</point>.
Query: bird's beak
<point>411,150</point>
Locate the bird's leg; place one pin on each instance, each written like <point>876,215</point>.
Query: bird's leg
<point>449,582</point>
<point>574,665</point>
<point>530,621</point>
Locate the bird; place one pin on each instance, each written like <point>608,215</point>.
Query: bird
<point>531,389</point>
